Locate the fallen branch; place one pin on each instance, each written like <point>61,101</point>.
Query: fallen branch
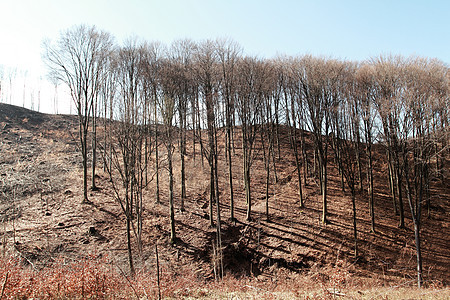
<point>335,292</point>
<point>26,258</point>
<point>69,226</point>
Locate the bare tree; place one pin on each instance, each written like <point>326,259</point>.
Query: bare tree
<point>250,91</point>
<point>388,102</point>
<point>425,82</point>
<point>228,53</point>
<point>78,59</point>
<point>12,74</point>
<point>292,102</point>
<point>267,131</point>
<point>127,145</point>
<point>55,97</point>
<point>182,56</point>
<point>24,73</point>
<point>108,93</point>
<point>151,70</point>
<point>167,106</point>
<point>206,73</point>
<point>317,82</point>
<point>349,163</point>
<point>365,95</point>
<point>94,117</point>
<point>347,144</point>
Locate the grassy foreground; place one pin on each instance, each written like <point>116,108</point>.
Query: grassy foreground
<point>100,279</point>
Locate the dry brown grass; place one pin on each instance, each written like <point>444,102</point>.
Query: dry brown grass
<point>94,278</point>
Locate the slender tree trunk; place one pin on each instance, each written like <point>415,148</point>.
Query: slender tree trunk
<point>267,187</point>
<point>211,182</point>
<point>246,172</point>
<point>247,192</point>
<point>272,153</point>
<point>156,154</point>
<point>182,155</point>
<point>110,133</point>
<point>358,158</point>
<point>199,128</point>
<point>335,142</point>
<point>444,142</point>
<point>370,185</point>
<point>183,183</point>
<point>230,169</point>
<point>94,147</point>
<point>266,157</point>
<point>171,204</point>
<point>193,118</point>
<point>324,190</point>
<point>418,254</point>
<point>146,152</point>
<point>139,193</point>
<point>230,178</point>
<point>147,139</point>
<point>427,187</point>
<point>128,221</point>
<point>277,129</point>
<point>83,137</point>
<point>218,227</point>
<point>272,140</point>
<point>299,176</point>
<point>210,120</point>
<point>105,134</point>
<point>392,182</point>
<point>297,158</point>
<point>416,211</point>
<point>304,157</point>
<point>355,232</point>
<point>211,195</point>
<point>400,200</point>
<point>318,169</point>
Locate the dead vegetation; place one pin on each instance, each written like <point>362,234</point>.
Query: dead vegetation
<point>53,246</point>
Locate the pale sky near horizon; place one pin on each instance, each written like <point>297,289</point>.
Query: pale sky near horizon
<point>345,29</point>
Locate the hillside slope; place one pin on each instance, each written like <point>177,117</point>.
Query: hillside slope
<point>44,218</point>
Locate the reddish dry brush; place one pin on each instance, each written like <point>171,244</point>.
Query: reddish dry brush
<point>92,278</point>
<point>100,279</point>
<point>88,278</point>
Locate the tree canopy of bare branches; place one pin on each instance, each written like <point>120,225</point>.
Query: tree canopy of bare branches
<point>78,59</point>
<point>156,94</point>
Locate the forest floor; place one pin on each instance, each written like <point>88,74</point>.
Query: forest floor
<point>292,254</point>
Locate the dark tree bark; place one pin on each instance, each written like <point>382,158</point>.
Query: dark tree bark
<point>94,144</point>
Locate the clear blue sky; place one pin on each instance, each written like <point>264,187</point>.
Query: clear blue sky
<point>347,29</point>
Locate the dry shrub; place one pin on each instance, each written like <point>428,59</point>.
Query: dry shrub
<point>84,279</point>
<point>94,278</point>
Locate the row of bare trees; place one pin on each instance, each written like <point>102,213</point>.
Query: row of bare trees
<point>150,95</point>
